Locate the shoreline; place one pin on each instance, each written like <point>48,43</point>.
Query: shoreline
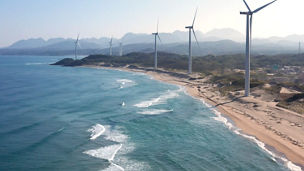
<point>257,122</point>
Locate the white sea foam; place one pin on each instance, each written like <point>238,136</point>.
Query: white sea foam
<point>206,104</point>
<point>115,135</point>
<point>36,63</point>
<point>122,160</point>
<point>115,154</point>
<point>170,94</point>
<point>154,111</point>
<point>138,73</point>
<point>125,83</point>
<point>291,166</point>
<point>96,131</point>
<point>127,163</point>
<point>107,153</point>
<point>222,119</point>
<point>131,165</point>
<point>114,167</point>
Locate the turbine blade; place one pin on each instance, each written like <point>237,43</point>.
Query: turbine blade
<point>77,39</point>
<point>159,38</point>
<point>79,45</point>
<point>157,25</point>
<point>194,17</point>
<point>247,6</point>
<point>195,38</point>
<point>257,10</point>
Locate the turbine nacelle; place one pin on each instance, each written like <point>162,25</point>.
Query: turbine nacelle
<point>189,27</point>
<point>246,13</point>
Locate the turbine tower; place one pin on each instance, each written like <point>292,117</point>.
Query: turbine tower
<point>299,48</point>
<point>76,45</point>
<point>120,49</point>
<point>156,35</point>
<point>191,29</point>
<point>111,41</point>
<point>248,43</point>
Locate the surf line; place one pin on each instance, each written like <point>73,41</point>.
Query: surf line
<point>96,131</point>
<point>274,156</point>
<point>113,156</point>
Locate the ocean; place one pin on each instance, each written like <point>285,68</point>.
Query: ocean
<point>65,118</point>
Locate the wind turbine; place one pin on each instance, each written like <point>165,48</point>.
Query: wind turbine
<point>120,49</point>
<point>191,29</point>
<point>76,45</point>
<point>156,35</point>
<point>299,47</point>
<point>111,41</point>
<point>248,43</point>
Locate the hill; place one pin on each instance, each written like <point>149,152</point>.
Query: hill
<point>216,42</point>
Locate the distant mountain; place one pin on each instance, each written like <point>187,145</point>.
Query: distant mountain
<point>61,43</point>
<point>217,42</point>
<point>129,38</point>
<point>28,44</point>
<point>34,43</point>
<point>212,47</point>
<point>224,34</point>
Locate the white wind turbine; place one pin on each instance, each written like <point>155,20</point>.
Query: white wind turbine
<point>120,49</point>
<point>248,43</point>
<point>76,45</point>
<point>299,51</point>
<point>191,30</point>
<point>111,42</point>
<point>156,35</point>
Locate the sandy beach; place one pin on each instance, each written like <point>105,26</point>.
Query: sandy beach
<point>258,116</point>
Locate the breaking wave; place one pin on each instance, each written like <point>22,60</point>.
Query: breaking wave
<point>107,153</point>
<point>96,131</point>
<point>155,111</point>
<point>116,136</point>
<point>110,152</point>
<point>170,94</point>
<point>114,167</point>
<point>36,63</point>
<point>125,83</point>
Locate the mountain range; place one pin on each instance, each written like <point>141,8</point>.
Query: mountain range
<point>217,42</point>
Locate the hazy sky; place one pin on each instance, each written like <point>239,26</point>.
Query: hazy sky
<point>23,19</point>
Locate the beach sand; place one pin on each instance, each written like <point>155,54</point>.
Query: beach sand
<point>256,115</point>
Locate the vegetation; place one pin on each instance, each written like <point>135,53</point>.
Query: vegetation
<point>226,71</point>
<point>294,103</point>
<point>205,64</point>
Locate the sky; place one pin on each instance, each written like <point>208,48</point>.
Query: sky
<point>24,19</point>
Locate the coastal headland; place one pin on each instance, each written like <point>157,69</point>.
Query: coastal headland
<point>259,115</point>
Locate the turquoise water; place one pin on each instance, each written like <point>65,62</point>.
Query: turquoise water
<point>63,118</point>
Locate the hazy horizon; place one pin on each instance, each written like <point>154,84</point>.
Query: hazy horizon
<point>102,18</point>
